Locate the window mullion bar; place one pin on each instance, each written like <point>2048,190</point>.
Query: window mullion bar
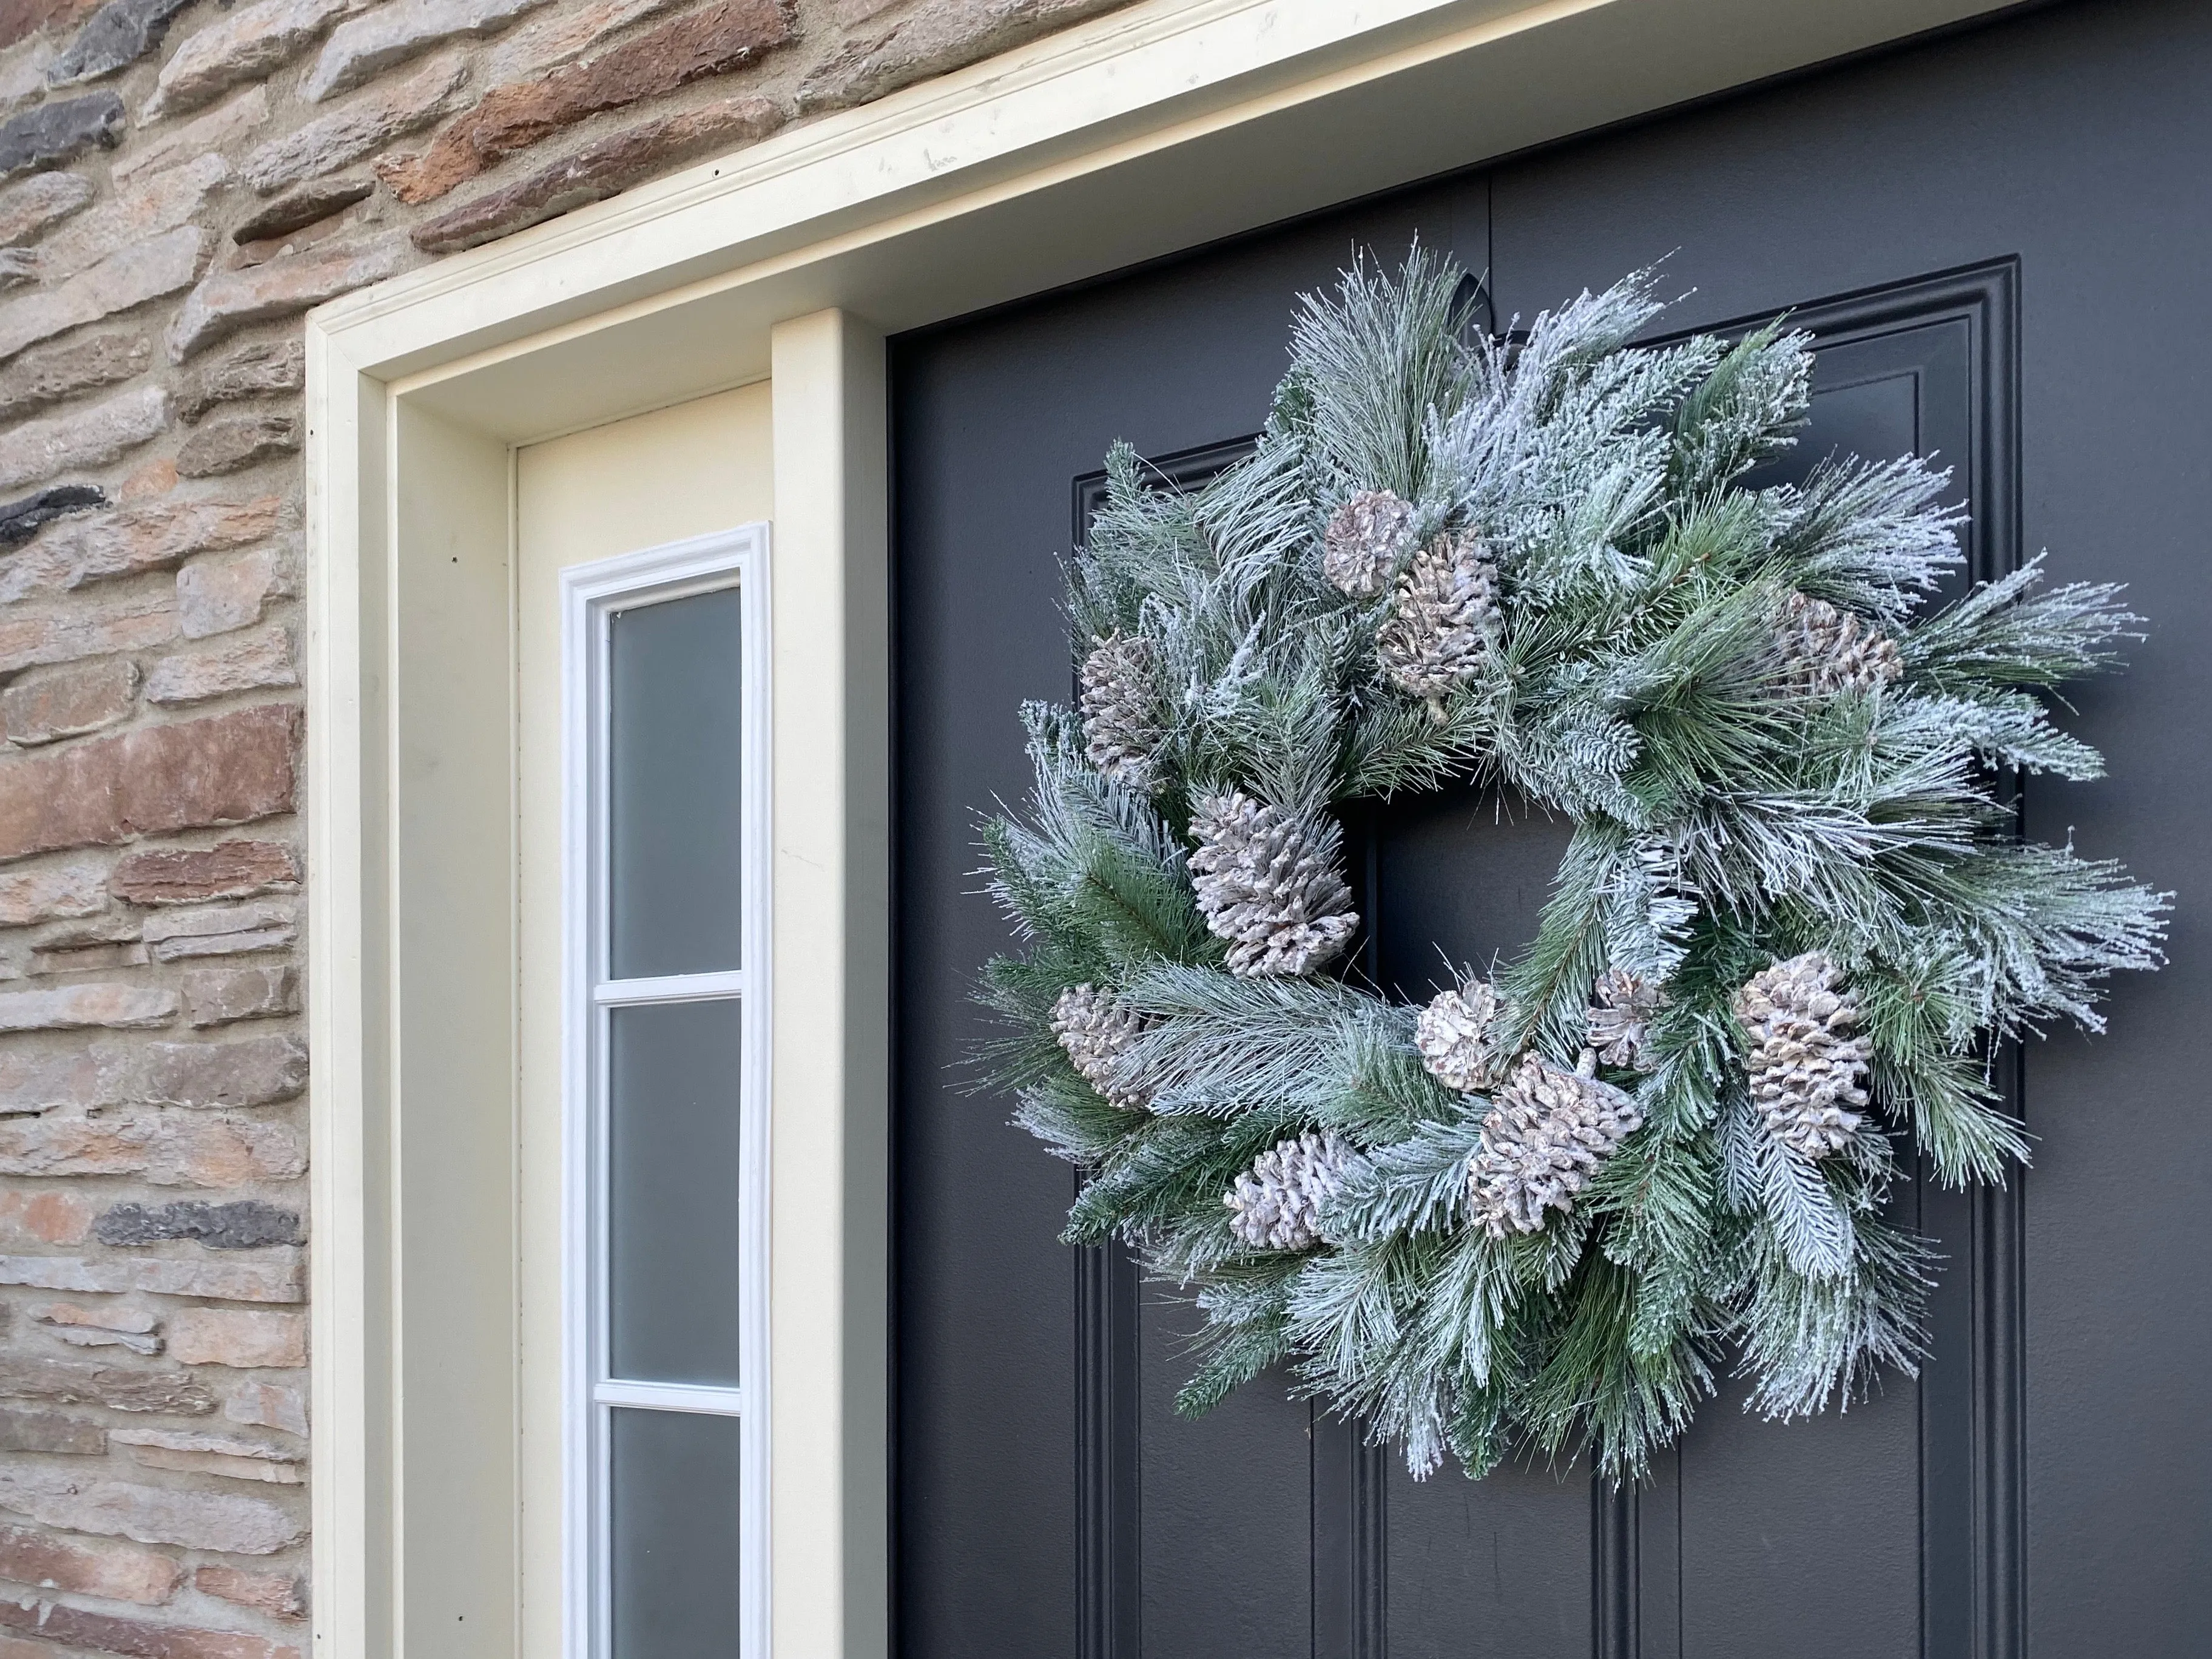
<point>671,987</point>
<point>670,1397</point>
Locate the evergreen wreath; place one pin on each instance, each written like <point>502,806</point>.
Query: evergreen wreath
<point>1794,920</point>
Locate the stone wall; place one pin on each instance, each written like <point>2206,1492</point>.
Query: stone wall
<point>178,182</point>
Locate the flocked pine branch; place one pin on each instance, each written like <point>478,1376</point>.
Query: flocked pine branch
<point>1774,748</point>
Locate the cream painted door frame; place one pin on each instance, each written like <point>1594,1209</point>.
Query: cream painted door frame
<point>1157,127</point>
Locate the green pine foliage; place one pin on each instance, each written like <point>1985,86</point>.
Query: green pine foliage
<point>1726,818</point>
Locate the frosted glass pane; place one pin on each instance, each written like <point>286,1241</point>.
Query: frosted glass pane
<point>672,1192</point>
<point>673,751</point>
<point>674,1535</point>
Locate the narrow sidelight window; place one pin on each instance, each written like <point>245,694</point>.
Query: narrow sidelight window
<point>666,779</point>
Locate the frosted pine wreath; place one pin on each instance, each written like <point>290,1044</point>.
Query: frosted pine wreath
<point>1539,1214</point>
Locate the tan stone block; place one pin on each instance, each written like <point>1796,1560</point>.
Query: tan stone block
<point>515,116</point>
<point>52,892</point>
<point>245,662</point>
<point>232,930</point>
<point>33,1080</point>
<point>268,1405</point>
<point>235,1525</point>
<point>360,125</point>
<point>75,1007</point>
<point>229,869</point>
<point>935,39</point>
<point>117,1572</point>
<point>91,627</point>
<point>237,442</point>
<point>255,369</point>
<point>81,1628</point>
<point>56,1432</point>
<point>562,35</point>
<point>202,1440</point>
<point>227,590</point>
<point>221,770</point>
<point>298,217</point>
<point>67,701</point>
<point>599,169</point>
<point>93,1337</point>
<point>33,451</point>
<point>231,300</point>
<point>136,538</point>
<point>248,1339</point>
<point>72,958</point>
<point>50,1215</point>
<point>279,1595</point>
<point>146,271</point>
<point>233,1456</point>
<point>230,1468</point>
<point>46,374</point>
<point>90,1382</point>
<point>219,996</point>
<point>259,1071</point>
<point>220,129</point>
<point>46,198</point>
<point>362,48</point>
<point>164,201</point>
<point>168,1148</point>
<point>275,1275</point>
<point>105,1317</point>
<point>246,45</point>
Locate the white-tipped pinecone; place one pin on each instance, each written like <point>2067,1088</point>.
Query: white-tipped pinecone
<point>1267,882</point>
<point>1548,1131</point>
<point>1807,1075</point>
<point>1364,540</point>
<point>1276,1204</point>
<point>1444,617</point>
<point>1096,1030</point>
<point>1457,1037</point>
<point>1828,650</point>
<point>1121,703</point>
<point>1620,1018</point>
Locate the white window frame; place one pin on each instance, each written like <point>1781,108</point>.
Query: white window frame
<point>590,595</point>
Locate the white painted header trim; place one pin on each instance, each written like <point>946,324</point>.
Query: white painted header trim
<point>1222,86</point>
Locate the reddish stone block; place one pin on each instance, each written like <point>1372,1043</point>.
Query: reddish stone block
<point>229,869</point>
<point>27,1557</point>
<point>712,41</point>
<point>600,169</point>
<point>279,1595</point>
<point>137,1636</point>
<point>228,769</point>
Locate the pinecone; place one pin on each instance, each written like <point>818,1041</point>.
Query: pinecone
<point>1366,538</point>
<point>1807,1075</point>
<point>1276,1204</point>
<point>1268,884</point>
<point>1442,619</point>
<point>1546,1132</point>
<point>1456,1037</point>
<point>1121,708</point>
<point>1827,650</point>
<point>1620,1018</point>
<point>1096,1030</point>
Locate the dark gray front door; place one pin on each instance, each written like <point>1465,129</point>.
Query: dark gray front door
<point>2000,240</point>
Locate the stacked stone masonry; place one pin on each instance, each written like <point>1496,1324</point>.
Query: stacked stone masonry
<point>179,181</point>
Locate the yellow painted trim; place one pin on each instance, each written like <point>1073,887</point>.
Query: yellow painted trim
<point>1148,130</point>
